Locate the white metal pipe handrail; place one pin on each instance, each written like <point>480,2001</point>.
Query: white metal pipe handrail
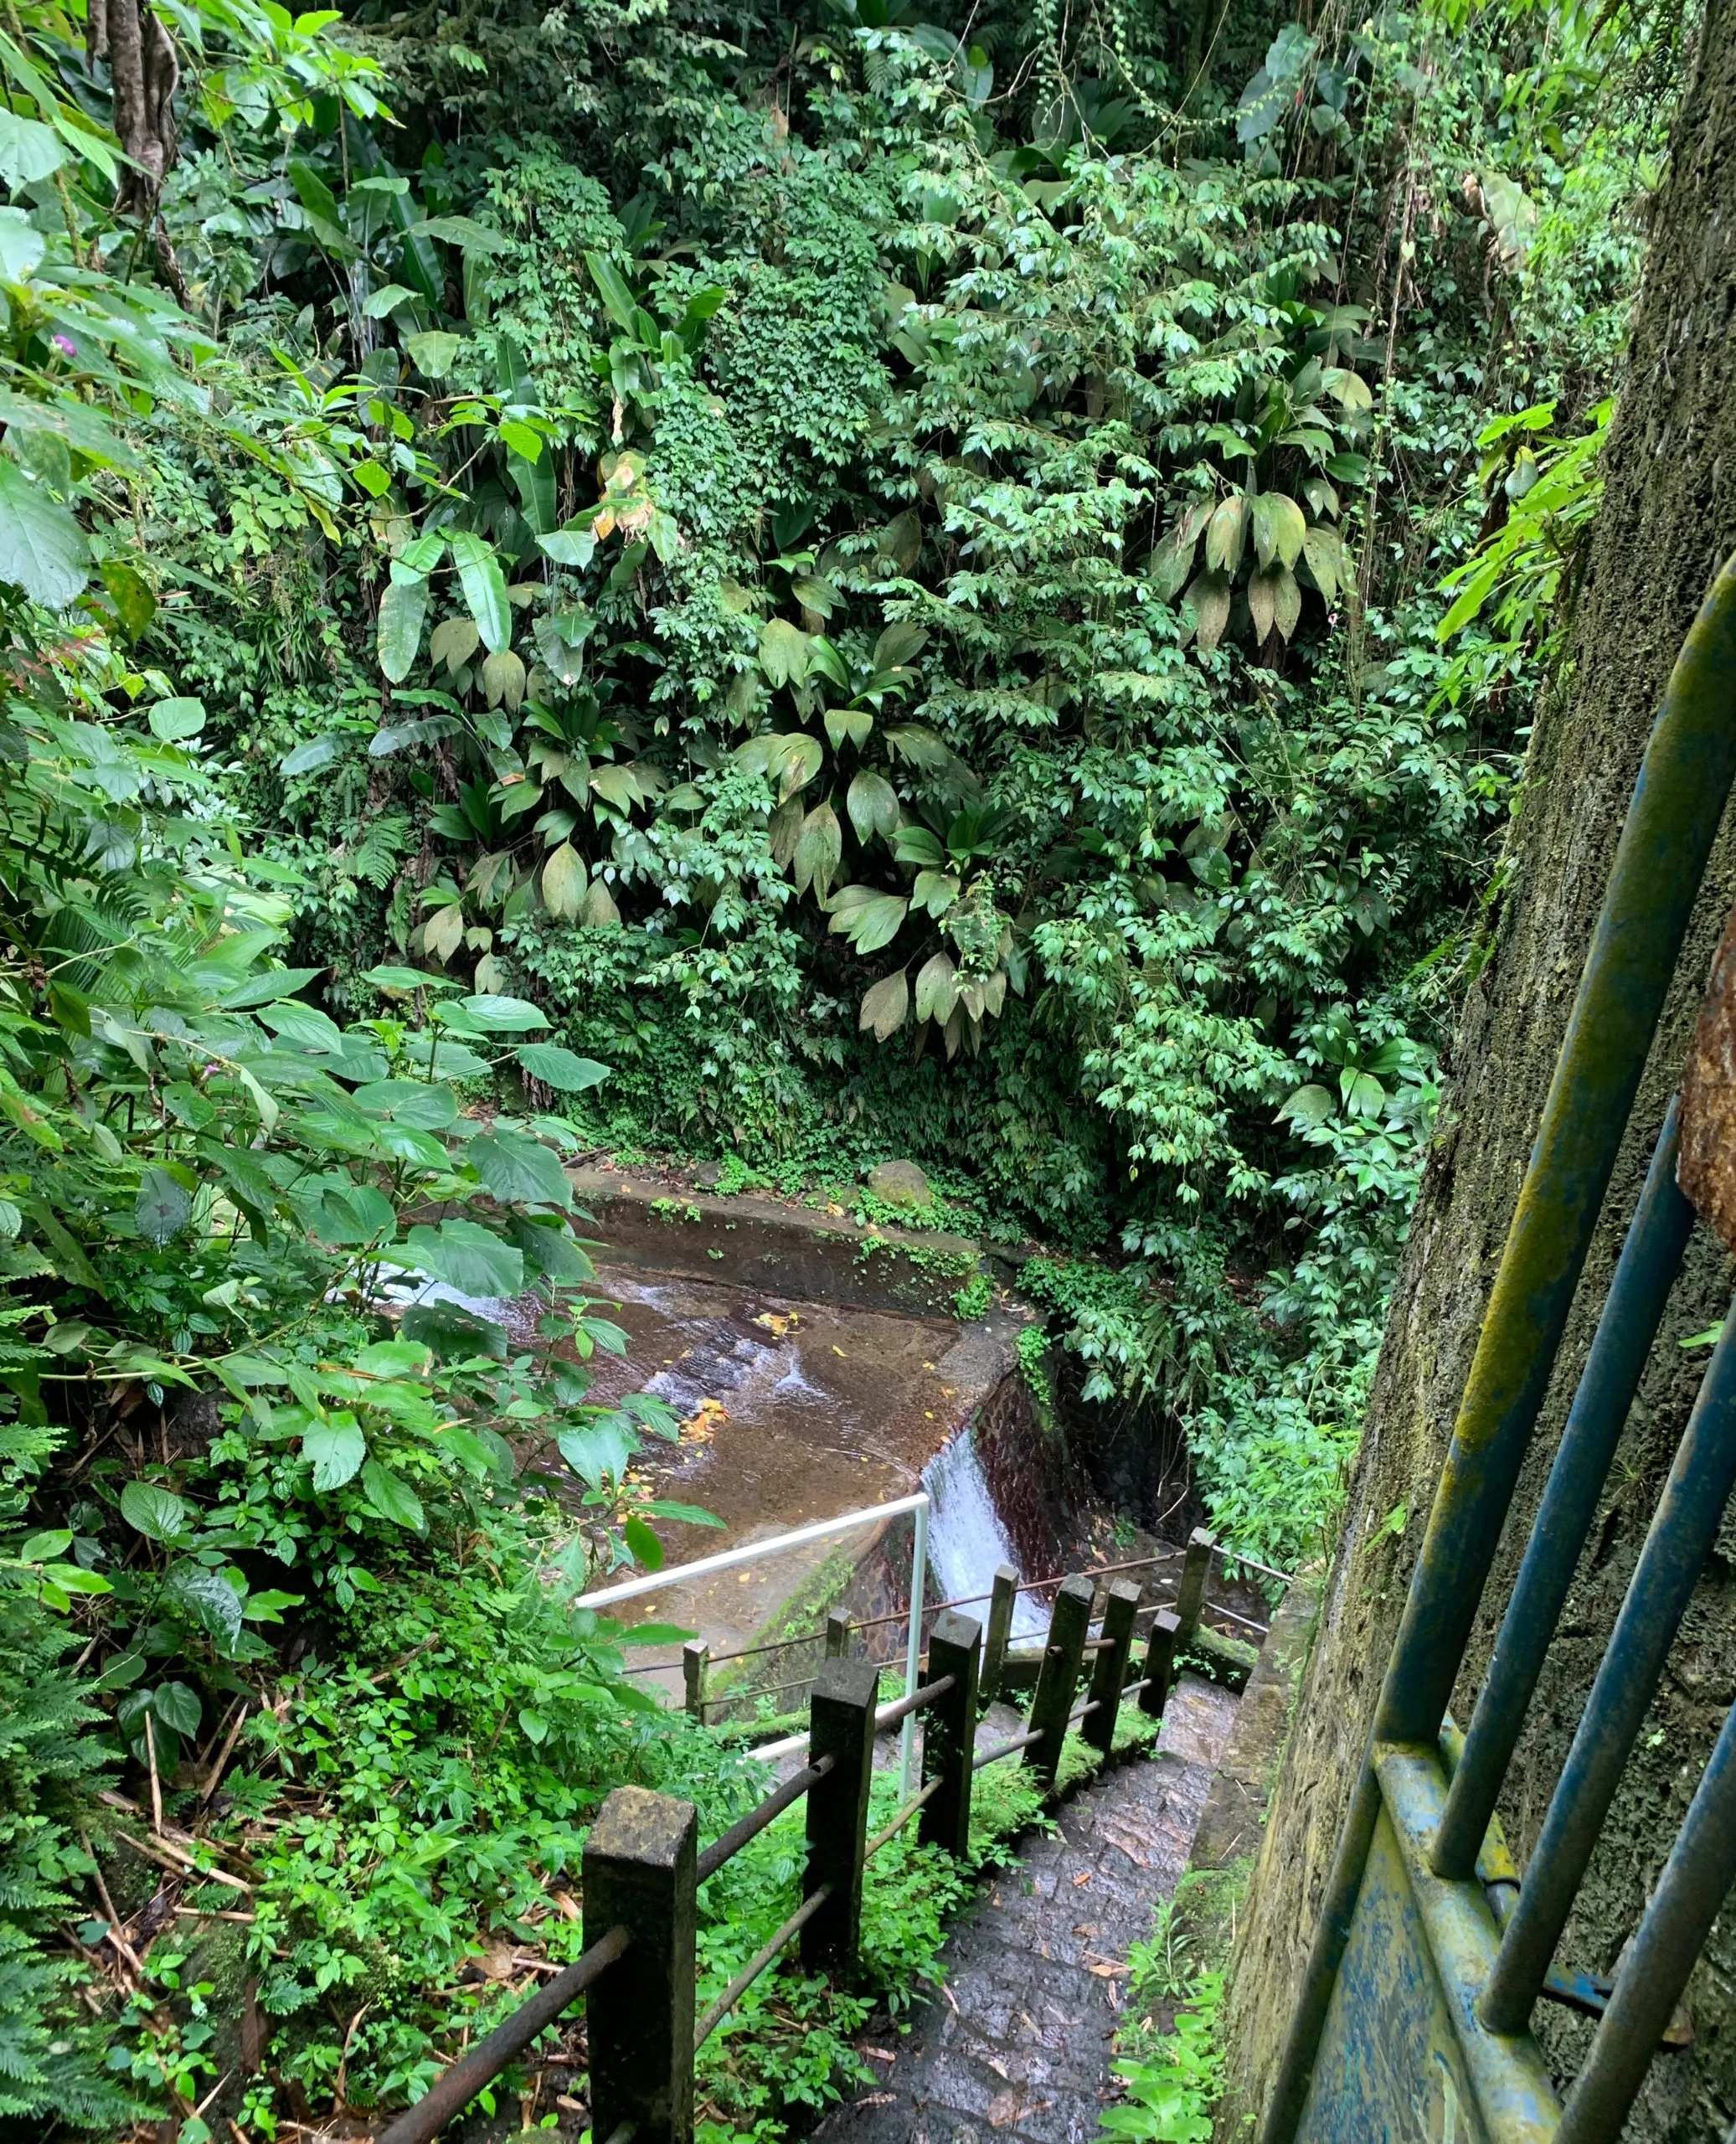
<point>803,1536</point>
<point>751,1552</point>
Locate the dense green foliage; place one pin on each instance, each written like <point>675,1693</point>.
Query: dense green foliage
<point>851,594</point>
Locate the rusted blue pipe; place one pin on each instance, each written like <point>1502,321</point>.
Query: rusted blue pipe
<point>1651,1258</point>
<point>1695,1883</point>
<point>1682,1530</point>
<point>1684,779</point>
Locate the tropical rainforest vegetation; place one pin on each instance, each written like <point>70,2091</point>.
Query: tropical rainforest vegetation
<point>783,587</point>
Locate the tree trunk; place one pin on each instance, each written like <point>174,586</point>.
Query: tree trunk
<point>1667,522</point>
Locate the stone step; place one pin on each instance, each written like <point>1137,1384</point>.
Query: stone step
<point>1016,2047</point>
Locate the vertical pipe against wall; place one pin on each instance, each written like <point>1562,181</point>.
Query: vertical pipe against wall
<point>1684,782</point>
<point>1682,1530</point>
<point>912,1648</point>
<point>1651,1258</point>
<point>1654,1968</point>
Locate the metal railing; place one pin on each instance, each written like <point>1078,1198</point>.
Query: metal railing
<point>1405,1930</point>
<point>803,1536</point>
<point>642,1864</point>
<point>1190,1596</point>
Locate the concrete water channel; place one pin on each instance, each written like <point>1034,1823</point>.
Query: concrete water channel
<point>842,1385</point>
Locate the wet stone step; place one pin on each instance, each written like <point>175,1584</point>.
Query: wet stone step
<point>1016,2046</point>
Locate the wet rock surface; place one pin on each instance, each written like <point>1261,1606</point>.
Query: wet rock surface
<point>1018,2045</point>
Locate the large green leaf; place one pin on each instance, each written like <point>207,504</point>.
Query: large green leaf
<point>873,805</point>
<point>433,352</point>
<point>599,1452</point>
<point>208,1599</point>
<point>519,1171</point>
<point>883,1007</point>
<point>872,922</point>
<point>429,1107</point>
<point>1279,529</point>
<point>783,652</point>
<point>22,246</point>
<point>469,1258</point>
<point>452,1332</point>
<point>499,1015</point>
<point>403,607</point>
<point>337,1448</point>
<point>819,850</point>
<point>557,1066</point>
<point>42,548</point>
<point>159,1514</point>
<point>612,288</point>
<point>178,1707</point>
<point>392,1497</point>
<point>163,1208</point>
<point>484,586</point>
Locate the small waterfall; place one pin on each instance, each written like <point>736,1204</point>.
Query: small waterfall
<point>965,1537</point>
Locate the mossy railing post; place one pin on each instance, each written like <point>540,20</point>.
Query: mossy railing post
<point>640,1871</point>
<point>1000,1630</point>
<point>1057,1678</point>
<point>841,1727</point>
<point>695,1660</point>
<point>1192,1597</point>
<point>1109,1673</point>
<point>837,1635</point>
<point>1160,1662</point>
<point>949,1733</point>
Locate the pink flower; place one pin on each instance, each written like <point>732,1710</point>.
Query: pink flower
<point>65,344</point>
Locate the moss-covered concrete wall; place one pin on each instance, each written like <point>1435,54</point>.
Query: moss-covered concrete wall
<point>1668,520</point>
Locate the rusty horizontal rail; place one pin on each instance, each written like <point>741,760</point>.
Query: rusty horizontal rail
<point>890,1831</point>
<point>730,1843</point>
<point>715,2012</point>
<point>1253,1563</point>
<point>460,2085</point>
<point>765,1690</point>
<point>890,1715</point>
<point>1025,1741</point>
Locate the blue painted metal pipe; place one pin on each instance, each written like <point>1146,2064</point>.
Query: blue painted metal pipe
<point>1696,1880</point>
<point>1679,798</point>
<point>1651,1258</point>
<point>1682,1530</point>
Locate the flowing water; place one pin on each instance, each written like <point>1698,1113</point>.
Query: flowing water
<point>790,1412</point>
<point>967,1539</point>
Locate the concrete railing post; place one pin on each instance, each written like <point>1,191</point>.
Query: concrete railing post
<point>1191,1599</point>
<point>1160,1662</point>
<point>1109,1673</point>
<point>639,1873</point>
<point>949,1733</point>
<point>837,1635</point>
<point>1057,1678</point>
<point>841,1727</point>
<point>695,1659</point>
<point>1000,1630</point>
